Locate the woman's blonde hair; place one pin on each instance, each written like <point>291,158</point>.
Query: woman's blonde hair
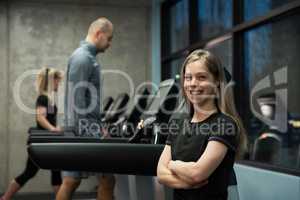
<point>225,102</point>
<point>45,79</point>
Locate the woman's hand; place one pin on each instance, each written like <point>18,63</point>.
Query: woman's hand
<point>173,164</point>
<point>190,185</point>
<point>105,133</point>
<point>140,124</point>
<point>56,129</point>
<point>196,172</point>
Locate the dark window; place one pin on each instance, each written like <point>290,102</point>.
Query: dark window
<point>176,66</point>
<point>179,26</point>
<point>271,71</point>
<point>224,52</point>
<point>258,41</point>
<point>255,8</point>
<point>214,17</point>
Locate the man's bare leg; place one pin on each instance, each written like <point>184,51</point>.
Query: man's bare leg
<point>106,187</point>
<point>67,188</point>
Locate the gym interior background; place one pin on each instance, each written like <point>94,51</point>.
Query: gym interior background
<point>255,39</point>
<point>41,33</point>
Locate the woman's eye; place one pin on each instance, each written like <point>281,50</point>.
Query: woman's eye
<point>188,78</point>
<point>201,77</point>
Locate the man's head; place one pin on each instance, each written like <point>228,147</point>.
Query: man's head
<point>100,34</point>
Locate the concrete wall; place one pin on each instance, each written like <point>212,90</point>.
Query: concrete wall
<point>44,33</point>
<point>3,94</point>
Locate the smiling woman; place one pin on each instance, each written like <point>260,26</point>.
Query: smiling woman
<point>199,85</point>
<point>197,161</point>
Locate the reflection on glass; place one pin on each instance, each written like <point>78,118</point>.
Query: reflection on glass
<point>176,67</point>
<point>257,53</point>
<point>254,8</point>
<point>223,51</point>
<point>272,69</point>
<point>214,17</point>
<point>179,26</point>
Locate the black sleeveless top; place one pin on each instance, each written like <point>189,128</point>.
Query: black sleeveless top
<point>188,143</point>
<point>43,101</point>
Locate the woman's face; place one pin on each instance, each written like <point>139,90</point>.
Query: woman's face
<point>56,82</point>
<point>199,84</point>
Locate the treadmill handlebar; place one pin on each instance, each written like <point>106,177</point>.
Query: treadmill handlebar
<point>144,124</point>
<point>34,131</point>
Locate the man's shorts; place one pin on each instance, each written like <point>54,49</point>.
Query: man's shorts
<point>83,174</point>
<point>79,174</point>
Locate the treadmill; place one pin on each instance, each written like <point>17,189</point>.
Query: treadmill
<point>66,151</point>
<point>126,125</point>
<point>117,108</point>
<point>107,103</point>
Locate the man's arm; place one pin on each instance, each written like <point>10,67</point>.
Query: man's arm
<point>79,72</point>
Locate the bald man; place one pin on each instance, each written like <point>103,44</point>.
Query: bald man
<point>82,102</point>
